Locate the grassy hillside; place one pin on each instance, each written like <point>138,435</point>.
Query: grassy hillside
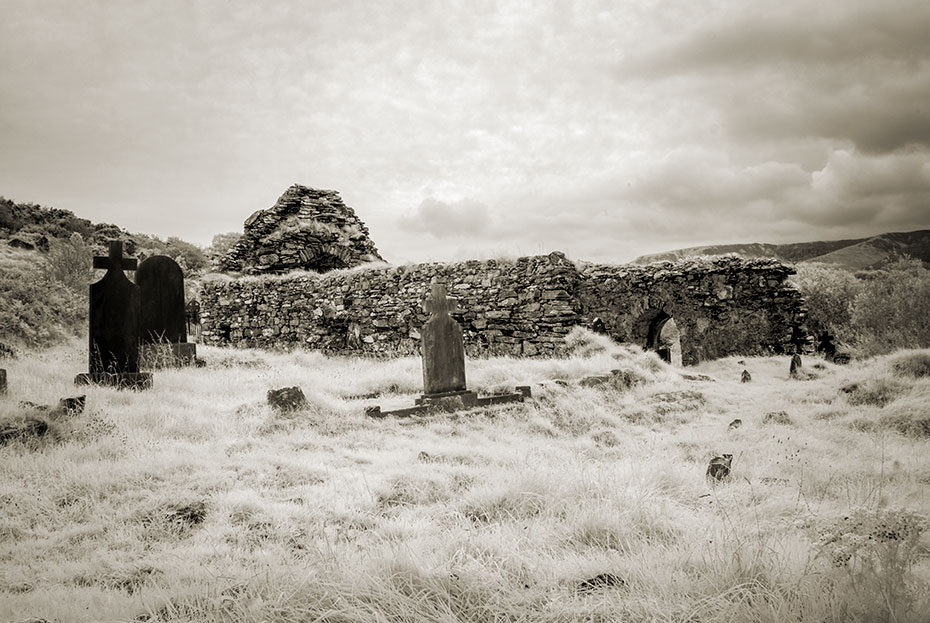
<point>196,502</point>
<point>42,226</point>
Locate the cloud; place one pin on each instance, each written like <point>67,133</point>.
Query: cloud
<point>849,72</point>
<point>454,219</point>
<point>603,131</point>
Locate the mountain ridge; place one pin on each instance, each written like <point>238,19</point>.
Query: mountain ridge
<point>853,254</point>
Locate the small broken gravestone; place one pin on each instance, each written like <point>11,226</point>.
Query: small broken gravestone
<point>719,468</point>
<point>2,382</point>
<point>286,399</point>
<point>163,324</point>
<point>746,378</point>
<point>113,340</point>
<point>796,368</point>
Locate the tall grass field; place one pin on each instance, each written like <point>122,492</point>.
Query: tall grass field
<point>195,501</point>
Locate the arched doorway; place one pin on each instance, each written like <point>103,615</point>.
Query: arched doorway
<point>665,338</point>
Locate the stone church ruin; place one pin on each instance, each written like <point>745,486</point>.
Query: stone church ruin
<point>307,229</point>
<point>687,311</point>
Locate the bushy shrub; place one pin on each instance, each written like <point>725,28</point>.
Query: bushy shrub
<point>830,292</point>
<point>871,312</point>
<point>37,309</point>
<point>221,245</point>
<point>891,311</point>
<point>70,263</point>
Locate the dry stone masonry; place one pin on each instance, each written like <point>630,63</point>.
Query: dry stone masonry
<point>307,229</point>
<point>722,306</point>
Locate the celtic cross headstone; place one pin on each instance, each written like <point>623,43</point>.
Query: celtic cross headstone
<point>114,325</point>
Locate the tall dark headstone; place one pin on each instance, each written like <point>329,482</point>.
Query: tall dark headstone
<point>2,382</point>
<point>443,347</point>
<point>163,323</point>
<point>115,314</point>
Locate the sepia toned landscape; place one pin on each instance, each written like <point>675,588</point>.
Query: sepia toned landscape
<point>464,312</point>
<point>621,488</point>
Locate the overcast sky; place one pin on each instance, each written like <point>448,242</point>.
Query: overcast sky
<point>476,129</point>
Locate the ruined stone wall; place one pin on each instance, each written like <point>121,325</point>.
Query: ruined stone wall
<point>521,307</point>
<point>722,306</point>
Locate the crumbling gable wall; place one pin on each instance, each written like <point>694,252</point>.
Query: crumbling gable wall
<point>722,306</point>
<point>306,229</point>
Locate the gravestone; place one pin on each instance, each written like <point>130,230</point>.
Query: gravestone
<point>443,346</point>
<point>795,371</point>
<point>163,324</point>
<point>718,470</point>
<point>2,382</point>
<point>115,314</point>
<point>444,366</point>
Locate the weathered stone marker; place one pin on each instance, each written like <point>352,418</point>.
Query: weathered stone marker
<point>163,323</point>
<point>115,312</point>
<point>795,371</point>
<point>718,470</point>
<point>443,347</point>
<point>2,382</point>
<point>443,351</point>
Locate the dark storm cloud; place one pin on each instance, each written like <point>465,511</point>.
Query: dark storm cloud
<point>849,72</point>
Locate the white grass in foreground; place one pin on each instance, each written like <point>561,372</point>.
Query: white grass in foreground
<point>195,502</point>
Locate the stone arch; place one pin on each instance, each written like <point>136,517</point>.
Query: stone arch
<point>656,330</point>
<point>326,257</point>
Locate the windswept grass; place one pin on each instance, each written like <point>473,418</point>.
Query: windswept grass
<point>196,502</point>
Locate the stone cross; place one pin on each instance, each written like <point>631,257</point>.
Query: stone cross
<point>443,346</point>
<point>115,259</point>
<point>113,336</point>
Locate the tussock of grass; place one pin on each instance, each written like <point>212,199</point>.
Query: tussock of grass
<point>913,364</point>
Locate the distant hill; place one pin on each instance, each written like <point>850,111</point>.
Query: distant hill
<point>32,226</point>
<point>851,254</point>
